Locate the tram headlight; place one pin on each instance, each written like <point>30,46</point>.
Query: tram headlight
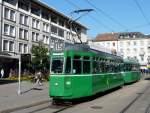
<point>56,84</point>
<point>68,82</point>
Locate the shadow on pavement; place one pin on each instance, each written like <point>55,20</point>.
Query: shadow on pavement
<point>31,90</point>
<point>4,81</point>
<point>147,78</point>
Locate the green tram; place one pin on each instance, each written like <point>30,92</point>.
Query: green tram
<point>79,71</point>
<point>131,72</point>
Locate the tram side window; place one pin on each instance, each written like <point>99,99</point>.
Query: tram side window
<point>77,65</point>
<point>103,66</point>
<point>111,67</point>
<point>86,66</point>
<point>96,68</point>
<point>68,65</point>
<point>116,67</point>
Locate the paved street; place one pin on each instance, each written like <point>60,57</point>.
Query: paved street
<point>129,99</point>
<point>31,95</point>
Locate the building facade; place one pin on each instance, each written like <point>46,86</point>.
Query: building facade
<point>128,44</point>
<point>24,23</point>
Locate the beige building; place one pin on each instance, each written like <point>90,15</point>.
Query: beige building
<point>128,44</point>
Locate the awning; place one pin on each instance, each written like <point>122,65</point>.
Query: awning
<point>7,55</point>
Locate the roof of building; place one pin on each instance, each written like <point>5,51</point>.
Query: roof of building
<point>55,11</point>
<point>119,35</point>
<point>106,37</point>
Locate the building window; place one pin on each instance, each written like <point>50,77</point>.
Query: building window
<point>45,27</point>
<point>12,31</point>
<point>121,50</point>
<point>23,4</point>
<point>45,15</point>
<point>108,44</point>
<point>9,30</point>
<point>60,32</point>
<point>8,45</point>
<point>9,14</point>
<point>61,22</point>
<point>21,19</point>
<point>24,19</point>
<point>142,49</point>
<point>113,44</point>
<point>142,43</point>
<point>6,29</point>
<point>128,51</point>
<point>5,45</point>
<point>25,48</point>
<point>35,10</point>
<point>121,44</point>
<point>134,43</point>
<point>20,47</point>
<point>54,30</point>
<point>13,2</point>
<point>26,34</point>
<point>11,46</point>
<point>52,41</point>
<point>6,15</point>
<point>12,15</point>
<point>45,39</point>
<point>54,18</point>
<point>35,37</point>
<point>35,24</point>
<point>128,43</point>
<point>23,34</point>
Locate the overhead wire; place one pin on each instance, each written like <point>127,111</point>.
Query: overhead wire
<point>96,20</point>
<point>106,14</point>
<point>142,12</point>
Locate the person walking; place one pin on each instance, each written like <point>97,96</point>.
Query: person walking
<point>2,73</point>
<point>38,77</point>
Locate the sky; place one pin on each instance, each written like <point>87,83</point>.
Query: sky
<point>107,15</point>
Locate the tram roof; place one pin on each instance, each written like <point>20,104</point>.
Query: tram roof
<point>131,61</point>
<point>86,48</point>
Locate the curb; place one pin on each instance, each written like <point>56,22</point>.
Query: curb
<point>24,106</point>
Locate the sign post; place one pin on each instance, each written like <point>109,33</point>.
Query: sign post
<point>19,77</point>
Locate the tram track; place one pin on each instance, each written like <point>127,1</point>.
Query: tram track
<point>39,107</point>
<point>133,101</point>
<point>25,107</point>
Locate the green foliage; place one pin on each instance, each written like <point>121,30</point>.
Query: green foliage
<point>40,58</point>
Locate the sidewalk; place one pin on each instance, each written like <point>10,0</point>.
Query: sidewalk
<point>9,99</point>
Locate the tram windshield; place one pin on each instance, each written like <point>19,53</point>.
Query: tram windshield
<point>57,65</point>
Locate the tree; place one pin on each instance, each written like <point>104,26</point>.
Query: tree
<point>40,58</point>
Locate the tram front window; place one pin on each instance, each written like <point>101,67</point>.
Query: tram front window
<point>57,66</point>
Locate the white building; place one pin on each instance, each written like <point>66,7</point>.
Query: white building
<point>128,44</point>
<point>24,23</point>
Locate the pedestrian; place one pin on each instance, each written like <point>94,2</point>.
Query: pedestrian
<point>10,73</point>
<point>38,77</point>
<point>2,73</point>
